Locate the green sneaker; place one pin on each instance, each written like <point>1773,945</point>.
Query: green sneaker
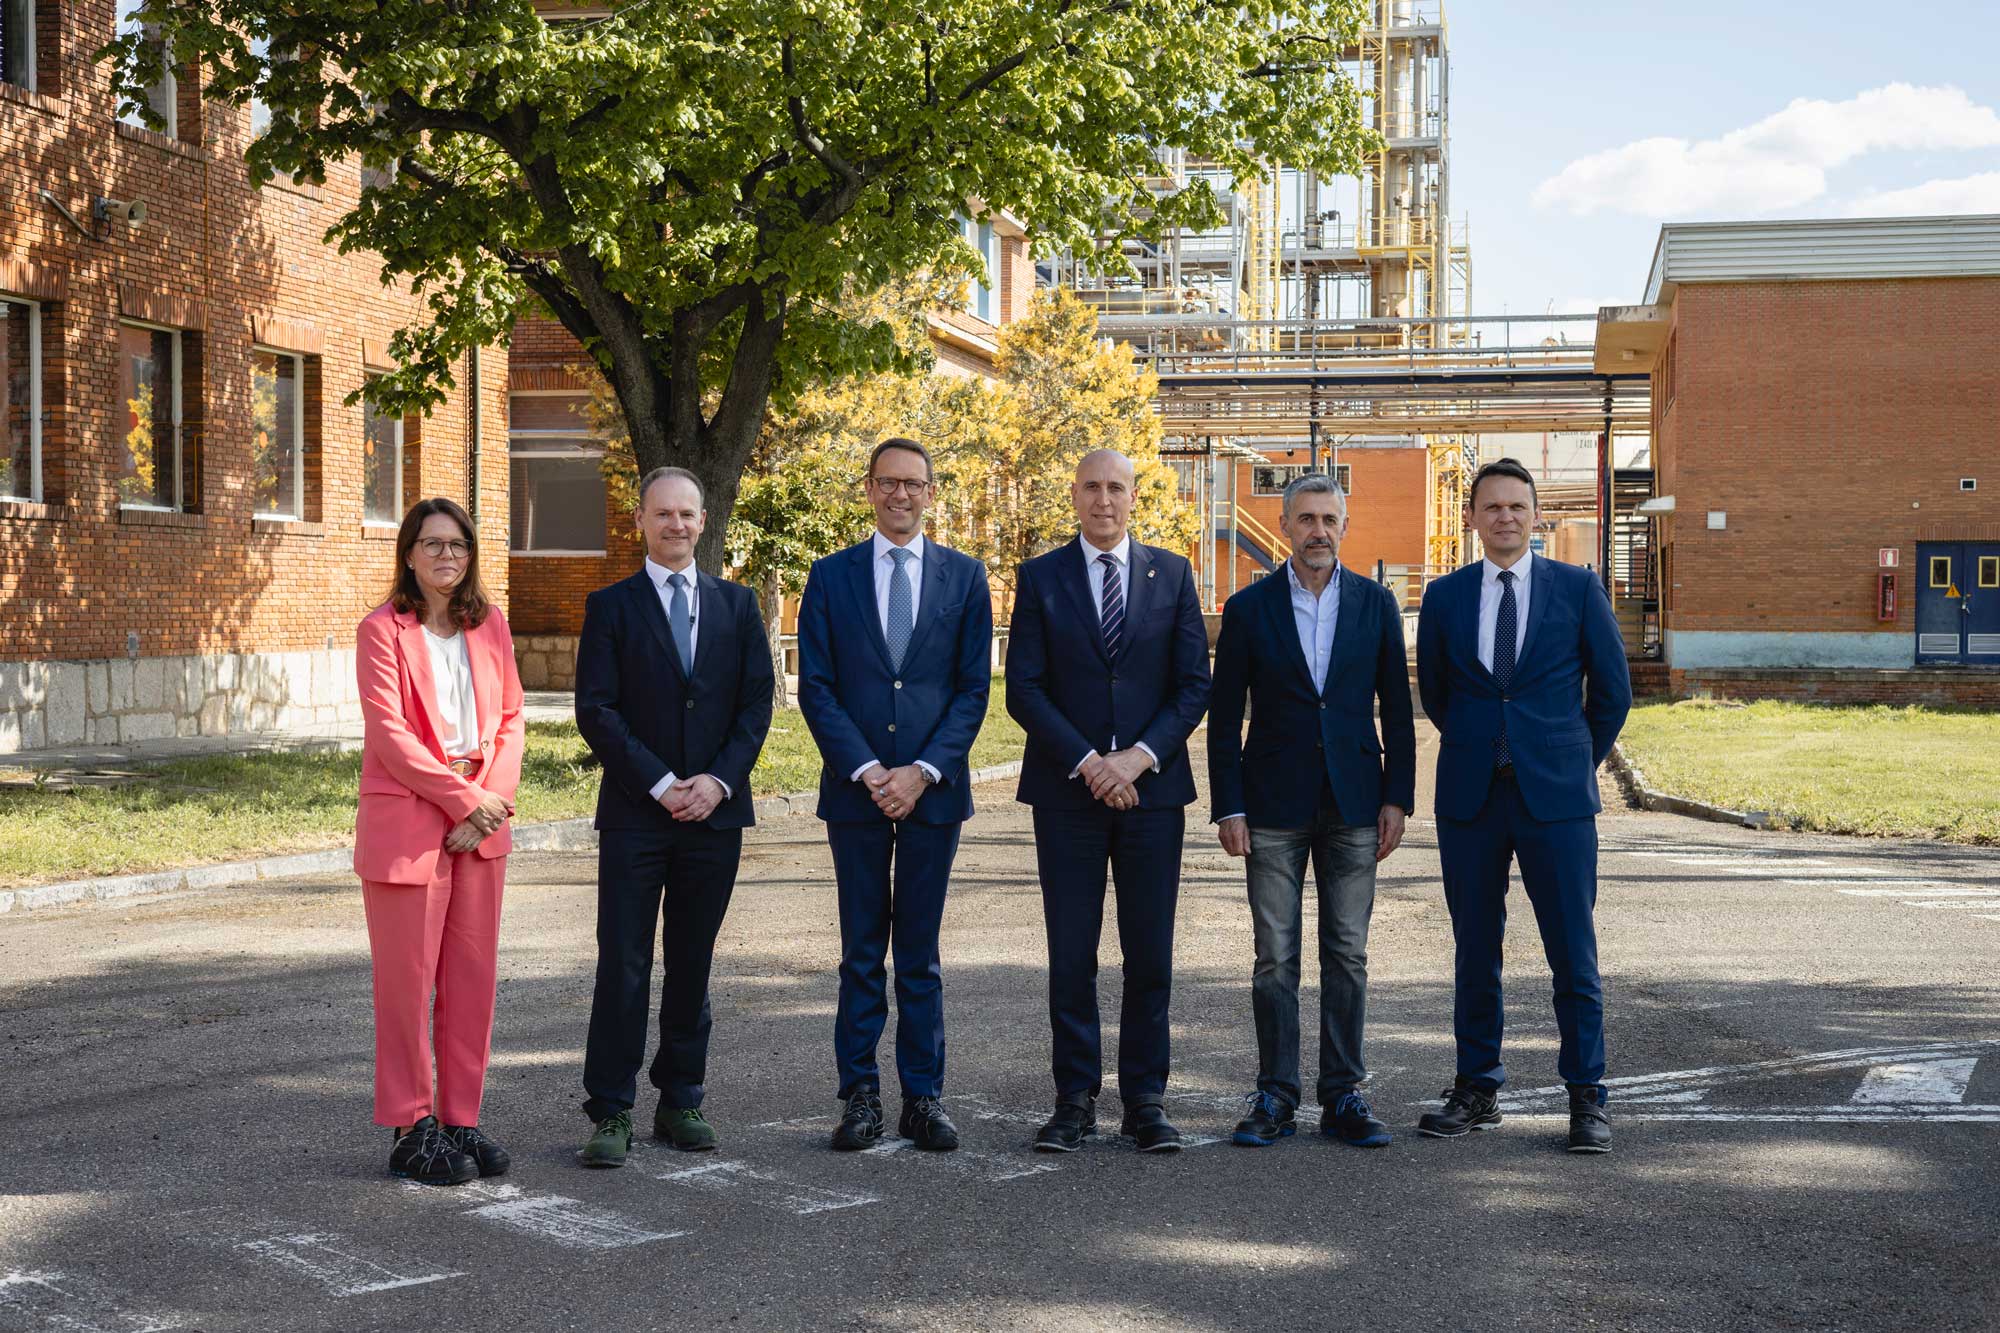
<point>684,1128</point>
<point>612,1140</point>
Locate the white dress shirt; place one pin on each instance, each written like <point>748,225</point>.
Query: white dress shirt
<point>658,574</point>
<point>451,685</point>
<point>1315,615</point>
<point>1489,606</point>
<point>1122,553</point>
<point>885,569</point>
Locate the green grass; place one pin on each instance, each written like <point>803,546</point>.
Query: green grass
<point>1880,771</point>
<point>231,807</point>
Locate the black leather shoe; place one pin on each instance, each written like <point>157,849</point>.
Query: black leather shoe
<point>491,1158</point>
<point>1075,1120</point>
<point>860,1123</point>
<point>423,1154</point>
<point>1589,1126</point>
<point>1467,1107</point>
<point>1148,1126</point>
<point>1267,1121</point>
<point>925,1124</point>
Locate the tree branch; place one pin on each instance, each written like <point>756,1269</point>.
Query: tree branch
<point>796,106</point>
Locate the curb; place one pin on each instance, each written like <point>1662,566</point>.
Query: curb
<point>560,835</point>
<point>1633,782</point>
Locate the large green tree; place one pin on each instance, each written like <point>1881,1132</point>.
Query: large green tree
<point>701,192</point>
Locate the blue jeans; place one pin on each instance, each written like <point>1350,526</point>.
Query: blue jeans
<point>1343,861</point>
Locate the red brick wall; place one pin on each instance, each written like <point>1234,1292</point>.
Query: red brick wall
<point>1826,419</point>
<point>1385,512</point>
<point>76,574</point>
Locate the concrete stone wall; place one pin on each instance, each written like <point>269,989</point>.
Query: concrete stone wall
<point>546,661</point>
<point>1962,687</point>
<point>116,701</point>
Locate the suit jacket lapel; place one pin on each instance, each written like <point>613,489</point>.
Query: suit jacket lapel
<point>480,651</point>
<point>417,655</point>
<point>646,595</point>
<point>1075,579</point>
<point>1347,628</point>
<point>1139,581</point>
<point>1468,618</point>
<point>1284,624</point>
<point>929,602</point>
<point>1541,591</point>
<point>709,628</point>
<point>861,590</point>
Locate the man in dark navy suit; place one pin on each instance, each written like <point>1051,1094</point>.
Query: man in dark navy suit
<point>1313,647</point>
<point>895,663</point>
<point>1522,669</point>
<point>1107,670</point>
<point>673,694</point>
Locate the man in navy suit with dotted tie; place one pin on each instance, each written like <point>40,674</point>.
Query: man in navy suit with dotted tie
<point>1522,669</point>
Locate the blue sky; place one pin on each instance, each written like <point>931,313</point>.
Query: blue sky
<point>1553,105</point>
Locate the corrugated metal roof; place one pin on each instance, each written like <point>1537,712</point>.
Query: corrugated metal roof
<point>1817,249</point>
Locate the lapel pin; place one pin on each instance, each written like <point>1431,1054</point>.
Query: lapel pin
<point>1152,573</point>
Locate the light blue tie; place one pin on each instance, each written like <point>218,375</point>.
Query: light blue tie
<point>901,617</point>
<point>680,621</point>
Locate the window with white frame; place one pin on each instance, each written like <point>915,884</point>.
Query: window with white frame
<point>557,486</point>
<point>381,465</point>
<point>17,43</point>
<point>160,95</point>
<point>1272,478</point>
<point>20,400</point>
<point>984,300</point>
<point>157,456</point>
<point>277,434</point>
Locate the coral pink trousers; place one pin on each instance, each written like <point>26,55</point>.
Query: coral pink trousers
<point>441,939</point>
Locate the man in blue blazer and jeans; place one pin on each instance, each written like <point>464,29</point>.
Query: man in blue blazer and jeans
<point>1313,647</point>
<point>1107,671</point>
<point>895,642</point>
<point>1522,669</point>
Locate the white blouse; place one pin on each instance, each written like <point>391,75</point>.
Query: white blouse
<point>451,676</point>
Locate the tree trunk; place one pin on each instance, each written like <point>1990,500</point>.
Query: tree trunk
<point>774,628</point>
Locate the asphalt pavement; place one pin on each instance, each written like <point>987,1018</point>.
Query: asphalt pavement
<point>1806,1095</point>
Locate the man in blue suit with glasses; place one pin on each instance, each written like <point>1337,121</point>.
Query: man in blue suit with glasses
<point>1521,667</point>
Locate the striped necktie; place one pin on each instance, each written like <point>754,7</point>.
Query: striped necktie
<point>1112,612</point>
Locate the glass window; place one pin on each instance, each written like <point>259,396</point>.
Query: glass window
<point>159,95</point>
<point>381,465</point>
<point>557,487</point>
<point>1272,478</point>
<point>20,401</point>
<point>149,383</point>
<point>1940,571</point>
<point>1989,571</point>
<point>17,42</point>
<point>277,420</point>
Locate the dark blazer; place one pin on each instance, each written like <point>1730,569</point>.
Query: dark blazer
<point>860,708</point>
<point>1569,697</point>
<point>645,714</point>
<point>1073,698</point>
<point>1298,732</point>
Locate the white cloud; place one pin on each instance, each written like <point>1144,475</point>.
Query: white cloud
<point>1779,162</point>
<point>1963,194</point>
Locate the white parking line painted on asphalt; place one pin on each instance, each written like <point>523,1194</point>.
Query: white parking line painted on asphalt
<point>569,1223</point>
<point>331,1261</point>
<point>73,1304</point>
<point>1941,1082</point>
<point>766,1188</point>
<point>990,1166</point>
<point>1967,892</point>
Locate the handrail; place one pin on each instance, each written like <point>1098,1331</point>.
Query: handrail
<point>1264,537</point>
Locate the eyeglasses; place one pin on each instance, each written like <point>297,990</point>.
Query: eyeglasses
<point>437,546</point>
<point>898,486</point>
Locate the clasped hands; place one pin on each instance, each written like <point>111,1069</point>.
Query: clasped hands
<point>1113,778</point>
<point>691,800</point>
<point>478,826</point>
<point>895,791</point>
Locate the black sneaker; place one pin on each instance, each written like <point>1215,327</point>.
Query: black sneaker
<point>1467,1107</point>
<point>860,1123</point>
<point>611,1142</point>
<point>491,1158</point>
<point>1589,1126</point>
<point>925,1124</point>
<point>425,1155</point>
<point>1350,1121</point>
<point>1268,1121</point>
<point>1075,1120</point>
<point>1147,1125</point>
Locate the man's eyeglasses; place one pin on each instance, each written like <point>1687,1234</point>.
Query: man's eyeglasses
<point>437,546</point>
<point>898,486</point>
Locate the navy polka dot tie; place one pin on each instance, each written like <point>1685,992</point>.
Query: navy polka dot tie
<point>1503,661</point>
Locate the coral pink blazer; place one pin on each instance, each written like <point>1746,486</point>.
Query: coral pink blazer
<point>409,798</point>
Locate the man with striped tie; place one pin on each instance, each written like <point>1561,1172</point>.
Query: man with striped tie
<point>1107,671</point>
<point>1521,667</point>
<point>895,663</point>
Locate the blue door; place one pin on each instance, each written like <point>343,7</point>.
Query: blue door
<point>1958,603</point>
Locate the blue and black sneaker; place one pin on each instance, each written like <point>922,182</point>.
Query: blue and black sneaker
<point>1350,1121</point>
<point>1268,1121</point>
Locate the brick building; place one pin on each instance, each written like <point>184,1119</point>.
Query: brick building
<point>1826,399</point>
<point>192,520</point>
<point>568,540</point>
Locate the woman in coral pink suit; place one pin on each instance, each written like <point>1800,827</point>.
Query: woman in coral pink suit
<point>441,701</point>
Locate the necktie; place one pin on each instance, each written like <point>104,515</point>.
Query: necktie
<point>901,616</point>
<point>1503,660</point>
<point>680,622</point>
<point>1112,614</point>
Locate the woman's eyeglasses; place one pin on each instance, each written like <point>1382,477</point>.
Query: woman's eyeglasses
<point>437,546</point>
